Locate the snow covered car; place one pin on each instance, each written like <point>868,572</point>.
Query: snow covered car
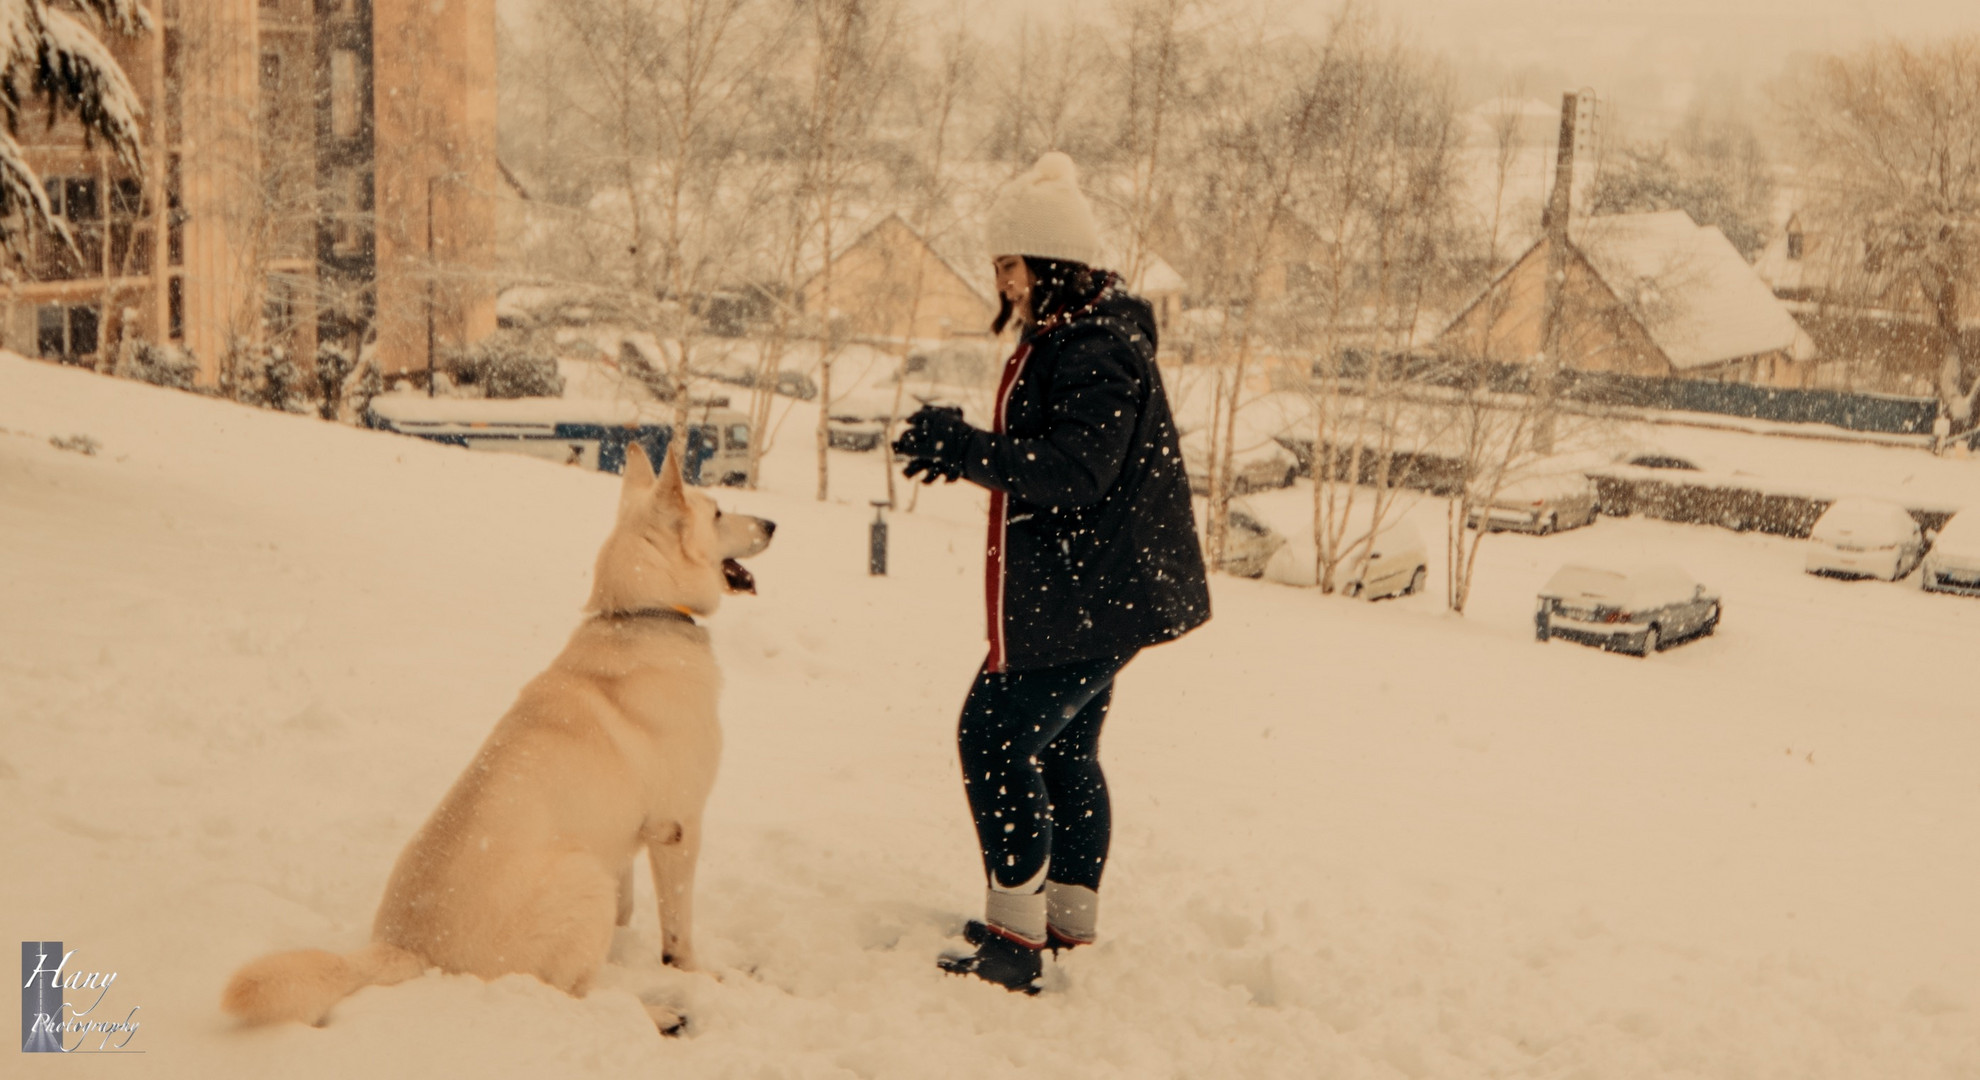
<point>1657,457</point>
<point>1638,610</point>
<point>1953,564</point>
<point>1540,505</point>
<point>1249,544</point>
<point>854,433</point>
<point>1396,565</point>
<point>1857,537</point>
<point>1262,467</point>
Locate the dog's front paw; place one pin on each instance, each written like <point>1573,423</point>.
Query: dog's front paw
<point>681,960</point>
<point>670,1021</point>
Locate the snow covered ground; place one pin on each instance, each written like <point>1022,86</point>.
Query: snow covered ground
<point>242,654</point>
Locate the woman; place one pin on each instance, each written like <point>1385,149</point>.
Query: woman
<point>1092,556</point>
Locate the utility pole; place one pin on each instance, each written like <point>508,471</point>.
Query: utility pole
<point>1554,224</point>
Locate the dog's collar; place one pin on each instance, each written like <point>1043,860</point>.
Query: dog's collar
<point>677,614</point>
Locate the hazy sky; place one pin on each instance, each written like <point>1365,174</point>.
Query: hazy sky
<point>1650,56</point>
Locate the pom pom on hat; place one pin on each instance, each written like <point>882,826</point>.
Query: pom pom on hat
<point>1055,167</point>
<point>1042,213</point>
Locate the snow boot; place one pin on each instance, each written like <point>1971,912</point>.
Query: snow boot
<point>998,959</point>
<point>976,931</point>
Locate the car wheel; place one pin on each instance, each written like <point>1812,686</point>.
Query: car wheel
<point>1541,631</point>
<point>1652,641</point>
<point>1415,582</point>
<point>1547,527</point>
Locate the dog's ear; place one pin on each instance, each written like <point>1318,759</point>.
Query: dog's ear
<point>639,468</point>
<point>672,489</point>
<point>638,482</point>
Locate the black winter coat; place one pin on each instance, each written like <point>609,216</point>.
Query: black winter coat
<point>1092,549</point>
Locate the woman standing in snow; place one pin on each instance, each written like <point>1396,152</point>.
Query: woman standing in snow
<point>1092,555</point>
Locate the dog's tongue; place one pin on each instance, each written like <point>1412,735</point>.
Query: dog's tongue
<point>739,579</point>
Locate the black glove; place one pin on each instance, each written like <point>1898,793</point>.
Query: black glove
<point>935,443</point>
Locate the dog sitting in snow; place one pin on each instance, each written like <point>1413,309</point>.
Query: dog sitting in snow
<point>527,863</point>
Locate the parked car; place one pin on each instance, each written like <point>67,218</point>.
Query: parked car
<point>1953,564</point>
<point>1857,537</point>
<point>854,433</point>
<point>1639,610</point>
<point>1263,467</point>
<point>1250,544</point>
<point>1396,565</point>
<point>1541,504</point>
<point>1657,457</point>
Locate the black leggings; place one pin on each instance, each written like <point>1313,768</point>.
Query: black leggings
<point>1030,747</point>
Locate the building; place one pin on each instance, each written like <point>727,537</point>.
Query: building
<point>1646,294</point>
<point>316,170</point>
<point>1878,327</point>
<point>1163,288</point>
<point>890,282</point>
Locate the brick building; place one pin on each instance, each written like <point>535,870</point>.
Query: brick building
<point>316,169</point>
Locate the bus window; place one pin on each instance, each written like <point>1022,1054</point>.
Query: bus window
<point>738,435</point>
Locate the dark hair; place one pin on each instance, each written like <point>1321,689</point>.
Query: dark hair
<point>1059,289</point>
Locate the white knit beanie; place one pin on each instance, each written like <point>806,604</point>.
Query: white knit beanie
<point>1042,214</point>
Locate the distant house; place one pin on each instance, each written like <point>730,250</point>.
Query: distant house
<point>1877,326</point>
<point>1163,288</point>
<point>889,282</point>
<point>1646,294</point>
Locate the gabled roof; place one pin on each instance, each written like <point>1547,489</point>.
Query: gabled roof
<point>1695,296</point>
<point>1158,277</point>
<point>894,217</point>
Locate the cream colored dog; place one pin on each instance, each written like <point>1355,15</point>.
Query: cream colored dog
<point>528,859</point>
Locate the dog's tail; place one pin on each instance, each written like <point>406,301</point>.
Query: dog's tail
<point>304,984</point>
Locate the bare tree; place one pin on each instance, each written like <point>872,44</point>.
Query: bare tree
<point>1271,106</point>
<point>848,43</point>
<point>938,98</point>
<point>1161,39</point>
<point>666,93</point>
<point>1890,146</point>
<point>1381,202</point>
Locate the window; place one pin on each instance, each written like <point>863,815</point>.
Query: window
<point>271,88</point>
<point>65,331</point>
<point>344,96</point>
<point>175,215</point>
<point>82,330</point>
<point>1794,246</point>
<point>127,198</point>
<point>345,207</point>
<point>738,436</point>
<point>174,95</point>
<point>51,330</point>
<point>175,308</point>
<point>76,200</point>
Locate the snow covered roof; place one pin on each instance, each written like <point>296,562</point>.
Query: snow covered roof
<point>867,231</point>
<point>1158,278</point>
<point>1698,299</point>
